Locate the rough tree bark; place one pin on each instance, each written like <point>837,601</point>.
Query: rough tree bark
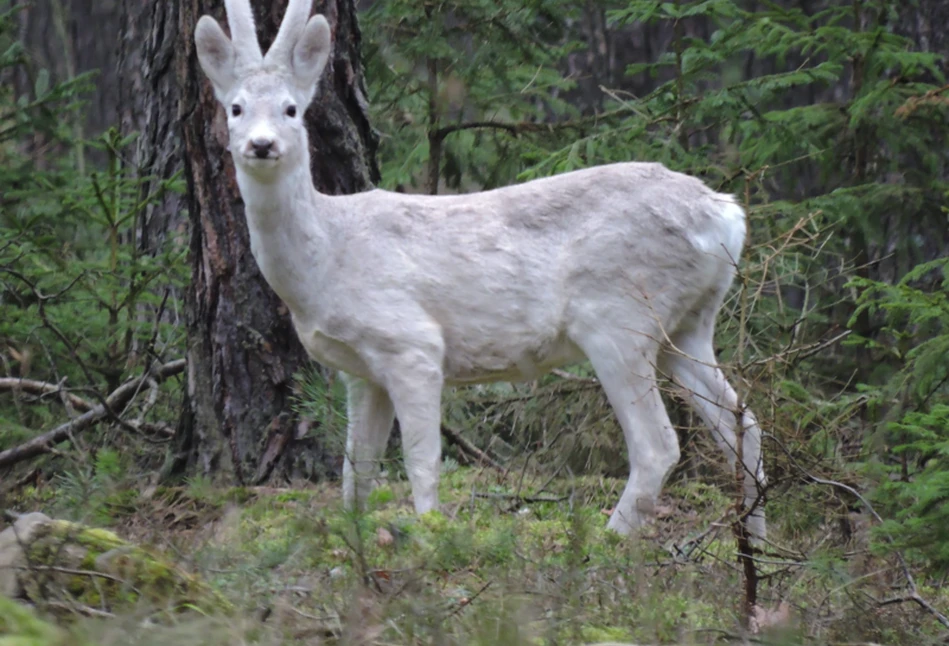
<point>243,352</point>
<point>148,104</point>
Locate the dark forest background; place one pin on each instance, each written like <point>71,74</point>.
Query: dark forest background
<point>141,350</point>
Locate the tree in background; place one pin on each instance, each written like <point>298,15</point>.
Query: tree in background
<point>455,86</point>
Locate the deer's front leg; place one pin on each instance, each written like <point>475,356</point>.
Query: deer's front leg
<point>370,415</point>
<point>415,387</point>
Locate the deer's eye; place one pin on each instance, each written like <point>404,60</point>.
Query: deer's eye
<point>236,110</point>
<point>291,111</point>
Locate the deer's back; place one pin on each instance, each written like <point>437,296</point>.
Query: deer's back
<point>509,278</point>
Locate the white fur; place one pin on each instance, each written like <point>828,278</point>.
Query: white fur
<point>625,265</point>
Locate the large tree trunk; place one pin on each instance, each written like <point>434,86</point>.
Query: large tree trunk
<point>148,104</point>
<point>243,352</point>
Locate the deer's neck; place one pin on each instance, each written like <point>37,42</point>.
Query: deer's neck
<point>288,222</point>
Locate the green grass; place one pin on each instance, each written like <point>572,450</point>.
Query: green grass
<point>488,570</point>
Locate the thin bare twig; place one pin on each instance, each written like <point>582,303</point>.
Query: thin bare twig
<point>77,572</point>
<point>802,352</point>
<point>526,499</point>
<point>910,579</point>
<point>913,595</point>
<point>80,609</point>
<point>464,603</point>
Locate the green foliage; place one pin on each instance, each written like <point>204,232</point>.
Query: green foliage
<point>755,135</point>
<point>322,401</point>
<point>454,84</point>
<point>913,408</point>
<point>43,112</point>
<point>76,283</point>
<point>19,626</point>
<point>82,302</point>
<point>94,490</point>
<point>919,503</point>
<point>429,568</point>
<point>483,572</point>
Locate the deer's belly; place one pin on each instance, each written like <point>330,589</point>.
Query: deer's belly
<point>507,361</point>
<point>468,359</point>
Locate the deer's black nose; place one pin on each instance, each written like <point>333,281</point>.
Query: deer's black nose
<point>262,147</point>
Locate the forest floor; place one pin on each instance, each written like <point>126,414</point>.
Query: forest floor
<point>508,560</point>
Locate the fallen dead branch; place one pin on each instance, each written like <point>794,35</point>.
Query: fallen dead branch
<point>42,389</point>
<point>118,399</point>
<point>467,448</point>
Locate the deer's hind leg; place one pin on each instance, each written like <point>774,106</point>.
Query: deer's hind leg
<point>624,363</point>
<point>693,367</point>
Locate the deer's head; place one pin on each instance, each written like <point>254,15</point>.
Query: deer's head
<point>265,96</point>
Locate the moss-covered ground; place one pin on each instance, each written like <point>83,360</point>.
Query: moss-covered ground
<point>502,563</point>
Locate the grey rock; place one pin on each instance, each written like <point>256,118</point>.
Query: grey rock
<point>13,540</point>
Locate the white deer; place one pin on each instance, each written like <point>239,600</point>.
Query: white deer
<point>626,265</point>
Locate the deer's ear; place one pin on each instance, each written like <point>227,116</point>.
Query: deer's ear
<point>311,53</point>
<point>216,55</point>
